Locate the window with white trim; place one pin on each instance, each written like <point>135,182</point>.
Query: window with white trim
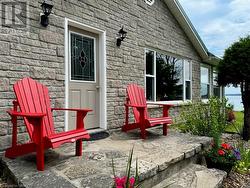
<point>209,85</point>
<point>150,75</point>
<point>205,82</point>
<point>217,90</point>
<point>168,78</point>
<point>188,79</point>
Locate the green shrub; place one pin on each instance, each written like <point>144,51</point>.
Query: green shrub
<point>205,119</point>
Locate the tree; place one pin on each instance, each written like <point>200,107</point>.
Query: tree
<point>234,69</point>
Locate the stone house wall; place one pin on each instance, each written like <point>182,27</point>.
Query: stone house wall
<point>38,52</point>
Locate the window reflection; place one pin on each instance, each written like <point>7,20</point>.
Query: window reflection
<point>169,83</point>
<point>150,62</point>
<point>216,88</point>
<point>149,88</point>
<point>205,83</point>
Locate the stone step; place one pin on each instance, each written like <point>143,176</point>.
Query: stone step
<point>194,176</point>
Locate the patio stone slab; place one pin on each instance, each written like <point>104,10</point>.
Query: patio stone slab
<point>194,176</point>
<point>98,181</point>
<point>94,168</point>
<point>26,175</point>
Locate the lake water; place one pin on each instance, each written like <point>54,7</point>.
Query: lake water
<point>236,101</point>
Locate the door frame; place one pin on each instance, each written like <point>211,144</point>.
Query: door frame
<point>102,69</point>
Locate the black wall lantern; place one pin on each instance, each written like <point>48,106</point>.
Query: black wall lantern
<point>47,8</point>
<point>121,36</point>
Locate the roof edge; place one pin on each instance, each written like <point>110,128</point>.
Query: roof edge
<point>182,18</point>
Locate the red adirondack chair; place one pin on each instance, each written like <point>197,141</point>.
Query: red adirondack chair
<point>34,106</point>
<point>136,99</point>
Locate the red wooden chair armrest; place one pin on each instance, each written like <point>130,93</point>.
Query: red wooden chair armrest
<point>160,104</point>
<point>72,109</point>
<point>28,115</point>
<point>81,113</point>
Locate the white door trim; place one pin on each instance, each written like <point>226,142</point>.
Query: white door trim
<point>102,68</point>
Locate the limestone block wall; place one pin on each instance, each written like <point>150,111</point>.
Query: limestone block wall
<point>38,52</point>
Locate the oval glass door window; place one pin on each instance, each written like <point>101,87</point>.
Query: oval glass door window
<point>82,58</point>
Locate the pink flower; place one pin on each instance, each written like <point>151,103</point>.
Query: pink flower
<point>120,182</point>
<point>132,182</point>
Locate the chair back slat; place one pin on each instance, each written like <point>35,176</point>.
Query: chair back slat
<point>43,95</point>
<point>33,97</point>
<point>136,96</point>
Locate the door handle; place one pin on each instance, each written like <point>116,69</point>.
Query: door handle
<point>97,87</point>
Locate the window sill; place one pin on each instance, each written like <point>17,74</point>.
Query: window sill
<point>204,101</point>
<point>175,103</point>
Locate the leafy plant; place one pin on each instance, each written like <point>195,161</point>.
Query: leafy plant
<point>243,166</point>
<point>205,119</point>
<point>224,153</point>
<point>127,181</point>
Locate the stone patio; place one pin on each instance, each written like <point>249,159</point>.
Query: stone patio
<point>158,157</point>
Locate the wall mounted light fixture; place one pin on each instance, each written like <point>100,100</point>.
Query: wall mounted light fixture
<point>121,35</point>
<point>47,8</point>
<point>150,2</point>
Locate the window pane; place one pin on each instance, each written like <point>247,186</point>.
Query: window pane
<point>215,75</point>
<point>82,58</point>
<point>204,75</point>
<point>169,82</point>
<point>217,91</point>
<point>178,65</point>
<point>187,70</point>
<point>188,90</point>
<point>150,62</point>
<point>216,88</point>
<point>205,91</point>
<point>150,88</point>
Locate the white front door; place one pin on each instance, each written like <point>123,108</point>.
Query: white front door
<point>83,76</point>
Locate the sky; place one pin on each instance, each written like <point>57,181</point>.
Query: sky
<point>219,23</point>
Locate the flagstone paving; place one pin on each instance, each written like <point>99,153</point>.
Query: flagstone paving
<point>155,155</point>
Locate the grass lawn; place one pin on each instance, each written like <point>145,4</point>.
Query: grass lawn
<point>236,127</point>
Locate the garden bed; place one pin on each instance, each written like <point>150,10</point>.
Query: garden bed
<point>236,179</point>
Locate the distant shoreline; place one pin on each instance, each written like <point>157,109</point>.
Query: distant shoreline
<point>236,101</point>
<point>232,94</point>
